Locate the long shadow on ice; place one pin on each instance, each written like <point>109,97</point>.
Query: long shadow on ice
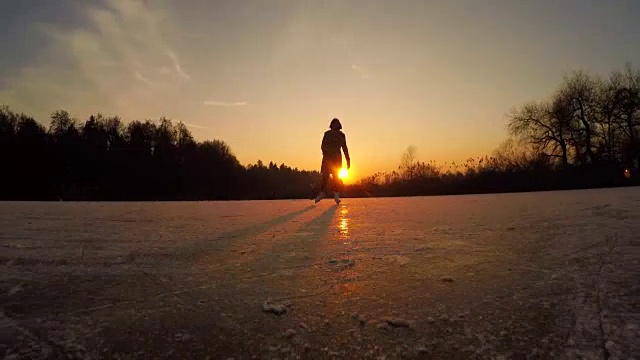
<point>258,228</point>
<point>222,241</point>
<point>300,248</point>
<point>319,226</point>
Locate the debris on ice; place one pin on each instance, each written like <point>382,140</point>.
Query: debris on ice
<point>277,309</point>
<point>289,333</point>
<point>396,322</point>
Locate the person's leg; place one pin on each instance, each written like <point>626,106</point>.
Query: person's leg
<point>324,170</point>
<point>324,187</point>
<point>337,184</point>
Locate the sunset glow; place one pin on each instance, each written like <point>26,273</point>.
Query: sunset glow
<point>343,174</point>
<point>266,77</point>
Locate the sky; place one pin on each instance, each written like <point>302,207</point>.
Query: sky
<point>267,76</point>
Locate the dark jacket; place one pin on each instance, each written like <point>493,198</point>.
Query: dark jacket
<point>332,142</point>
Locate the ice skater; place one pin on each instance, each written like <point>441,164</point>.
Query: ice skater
<point>332,141</point>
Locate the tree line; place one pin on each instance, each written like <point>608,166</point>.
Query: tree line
<point>106,159</point>
<point>586,134</point>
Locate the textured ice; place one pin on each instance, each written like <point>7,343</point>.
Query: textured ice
<point>538,275</point>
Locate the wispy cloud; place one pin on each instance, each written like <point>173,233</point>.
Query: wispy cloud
<point>225,103</point>
<point>144,79</point>
<point>361,71</point>
<point>116,52</point>
<point>164,70</point>
<point>176,65</point>
<point>196,126</point>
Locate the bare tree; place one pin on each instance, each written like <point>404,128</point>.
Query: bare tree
<point>545,126</point>
<point>627,97</point>
<point>579,91</point>
<point>608,113</point>
<point>407,161</point>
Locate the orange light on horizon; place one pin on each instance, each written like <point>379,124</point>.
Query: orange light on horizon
<point>343,174</point>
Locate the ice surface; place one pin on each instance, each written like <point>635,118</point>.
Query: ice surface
<point>533,275</point>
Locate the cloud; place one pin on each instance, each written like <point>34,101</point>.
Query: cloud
<point>176,65</point>
<point>196,126</point>
<point>117,53</point>
<point>225,103</point>
<point>144,79</point>
<point>363,72</point>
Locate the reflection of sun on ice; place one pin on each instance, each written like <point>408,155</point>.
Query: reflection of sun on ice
<point>343,173</point>
<point>344,226</point>
<point>344,223</point>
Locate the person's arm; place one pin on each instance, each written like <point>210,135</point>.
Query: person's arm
<point>345,149</point>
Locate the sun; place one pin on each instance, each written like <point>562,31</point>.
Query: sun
<point>343,173</point>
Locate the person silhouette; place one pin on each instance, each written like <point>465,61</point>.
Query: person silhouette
<point>332,142</point>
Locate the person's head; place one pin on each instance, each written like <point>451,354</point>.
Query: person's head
<point>335,124</point>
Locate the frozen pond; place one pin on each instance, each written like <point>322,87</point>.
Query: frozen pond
<point>537,275</point>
